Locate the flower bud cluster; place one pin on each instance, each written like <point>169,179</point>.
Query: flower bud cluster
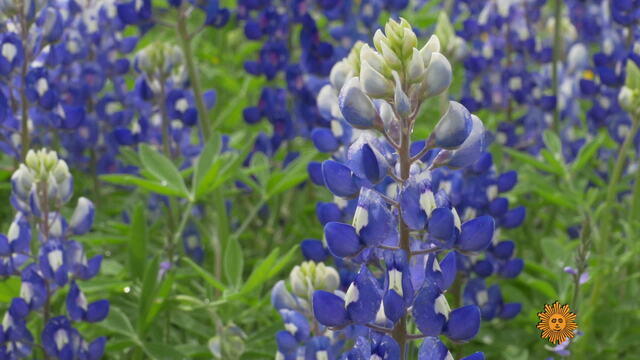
<point>58,264</point>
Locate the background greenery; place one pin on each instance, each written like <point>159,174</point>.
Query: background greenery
<point>224,303</point>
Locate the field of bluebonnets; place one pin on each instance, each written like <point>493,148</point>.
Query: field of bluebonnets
<point>318,179</point>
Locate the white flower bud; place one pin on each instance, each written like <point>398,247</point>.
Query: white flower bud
<point>390,57</point>
<point>432,46</point>
<point>378,39</point>
<point>374,83</point>
<point>373,58</point>
<point>328,103</point>
<point>402,102</point>
<point>438,75</point>
<point>626,99</point>
<point>338,75</point>
<point>409,41</point>
<point>31,159</point>
<point>310,276</point>
<point>61,171</point>
<point>415,70</point>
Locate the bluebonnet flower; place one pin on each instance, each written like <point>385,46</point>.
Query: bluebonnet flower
<point>395,237</point>
<point>40,188</point>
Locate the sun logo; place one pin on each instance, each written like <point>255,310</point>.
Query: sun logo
<point>557,323</point>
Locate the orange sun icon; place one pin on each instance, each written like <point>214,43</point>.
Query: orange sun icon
<point>557,323</point>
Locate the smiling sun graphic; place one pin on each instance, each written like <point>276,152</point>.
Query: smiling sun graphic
<point>557,323</point>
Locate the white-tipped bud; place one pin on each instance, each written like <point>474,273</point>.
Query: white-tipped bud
<point>31,160</point>
<point>61,171</point>
<point>389,120</point>
<point>409,42</point>
<point>402,102</point>
<point>356,107</point>
<point>374,83</point>
<point>378,39</point>
<point>83,215</point>
<point>390,57</point>
<point>626,99</point>
<point>415,70</point>
<point>328,103</point>
<point>310,276</point>
<point>432,46</point>
<point>373,58</point>
<point>22,181</point>
<point>438,75</point>
<point>578,58</point>
<point>338,75</point>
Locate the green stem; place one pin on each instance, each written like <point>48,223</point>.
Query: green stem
<point>185,43</point>
<point>613,183</point>
<point>400,330</point>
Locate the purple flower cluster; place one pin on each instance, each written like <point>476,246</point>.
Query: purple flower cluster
<point>40,188</point>
<point>292,110</point>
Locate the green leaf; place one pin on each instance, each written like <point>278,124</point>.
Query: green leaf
<point>291,176</point>
<point>138,242</point>
<point>233,261</point>
<point>9,288</point>
<point>129,156</point>
<point>552,160</point>
<point>260,272</point>
<point>162,351</point>
<point>206,160</point>
<point>587,152</point>
<point>540,286</point>
<point>162,169</point>
<point>150,185</point>
<point>118,322</point>
<point>148,292</point>
<point>160,299</point>
<point>552,141</point>
<point>206,276</point>
<point>528,159</point>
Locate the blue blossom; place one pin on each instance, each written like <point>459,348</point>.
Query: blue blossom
<point>40,187</point>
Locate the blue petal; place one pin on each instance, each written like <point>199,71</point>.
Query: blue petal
<point>339,179</point>
<point>513,218</point>
<point>315,173</point>
<point>483,268</point>
<point>476,234</point>
<point>510,310</point>
<point>512,268</point>
<point>441,224</point>
<point>475,356</point>
<point>427,320</point>
<point>342,239</point>
<point>324,140</point>
<point>504,249</point>
<point>313,250</point>
<point>329,309</point>
<point>453,128</point>
<point>433,349</point>
<point>463,323</point>
<point>357,108</point>
<point>507,181</point>
<point>363,298</point>
<point>498,206</point>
